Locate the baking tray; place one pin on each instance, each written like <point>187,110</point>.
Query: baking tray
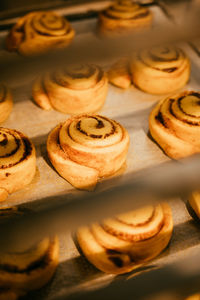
<point>131,108</point>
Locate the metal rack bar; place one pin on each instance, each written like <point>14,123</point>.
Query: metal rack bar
<point>54,214</point>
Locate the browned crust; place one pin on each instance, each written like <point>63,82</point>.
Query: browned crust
<point>138,254</point>
<point>25,39</point>
<point>35,278</point>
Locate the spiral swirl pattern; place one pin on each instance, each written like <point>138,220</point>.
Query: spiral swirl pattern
<point>38,32</point>
<point>160,70</point>
<point>123,243</point>
<point>87,147</point>
<point>75,90</point>
<point>30,269</point>
<point>123,16</point>
<point>17,161</point>
<point>175,124</point>
<point>6,102</point>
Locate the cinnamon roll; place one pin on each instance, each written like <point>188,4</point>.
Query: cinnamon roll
<point>38,32</point>
<point>75,90</point>
<point>122,17</point>
<point>6,103</point>
<point>119,74</point>
<point>160,70</point>
<point>174,124</point>
<point>86,148</point>
<point>30,269</point>
<point>124,243</point>
<point>17,161</point>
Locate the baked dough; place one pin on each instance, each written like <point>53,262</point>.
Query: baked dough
<point>119,74</point>
<point>174,123</point>
<point>18,271</point>
<point>121,244</point>
<point>6,102</point>
<point>75,90</point>
<point>122,17</point>
<point>17,161</point>
<point>38,32</point>
<point>86,148</point>
<point>160,70</point>
<point>31,269</point>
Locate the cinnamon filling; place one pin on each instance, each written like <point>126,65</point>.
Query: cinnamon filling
<point>27,152</point>
<point>40,263</point>
<point>140,224</point>
<point>48,34</point>
<point>4,141</point>
<point>159,117</point>
<point>77,75</point>
<point>117,261</point>
<point>197,95</point>
<point>98,126</point>
<point>43,24</point>
<point>159,59</point>
<point>170,70</point>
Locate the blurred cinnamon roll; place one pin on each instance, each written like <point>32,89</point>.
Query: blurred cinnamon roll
<point>38,32</point>
<point>86,148</point>
<point>30,269</point>
<point>122,17</point>
<point>124,243</point>
<point>6,103</point>
<point>160,70</point>
<point>75,90</point>
<point>174,124</point>
<point>17,161</point>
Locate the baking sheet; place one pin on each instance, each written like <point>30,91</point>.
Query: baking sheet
<point>131,108</point>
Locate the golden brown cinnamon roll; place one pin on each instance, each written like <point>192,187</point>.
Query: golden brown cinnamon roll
<point>160,70</point>
<point>127,241</point>
<point>6,103</point>
<point>38,32</point>
<point>86,148</point>
<point>174,124</point>
<point>123,16</point>
<point>17,161</point>
<point>31,269</point>
<point>76,90</point>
